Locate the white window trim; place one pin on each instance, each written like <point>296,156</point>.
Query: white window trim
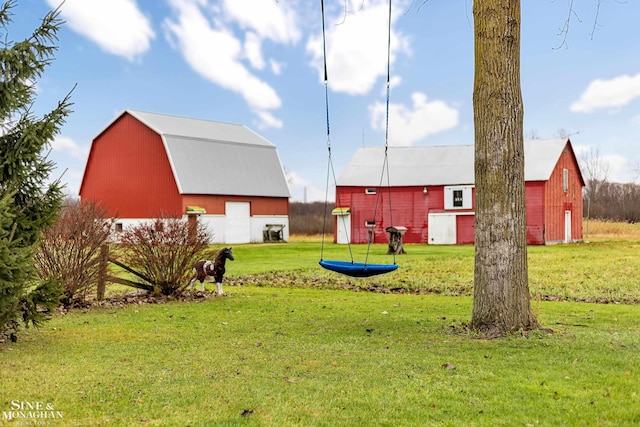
<point>467,199</point>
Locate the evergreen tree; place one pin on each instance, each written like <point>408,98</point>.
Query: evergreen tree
<point>29,200</point>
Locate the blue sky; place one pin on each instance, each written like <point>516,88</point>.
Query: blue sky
<point>258,63</point>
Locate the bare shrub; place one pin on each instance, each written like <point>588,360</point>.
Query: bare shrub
<point>69,250</point>
<point>164,250</point>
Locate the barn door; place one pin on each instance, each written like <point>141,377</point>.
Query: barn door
<point>567,226</point>
<point>442,229</point>
<point>344,229</point>
<point>237,222</point>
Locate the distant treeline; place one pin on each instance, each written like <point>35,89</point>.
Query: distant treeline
<point>612,201</point>
<point>307,218</point>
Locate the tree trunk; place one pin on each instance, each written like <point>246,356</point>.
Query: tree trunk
<point>501,300</point>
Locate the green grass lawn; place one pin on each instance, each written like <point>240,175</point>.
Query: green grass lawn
<point>601,271</point>
<point>302,351</point>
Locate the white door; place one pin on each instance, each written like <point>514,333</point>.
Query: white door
<point>237,227</point>
<point>567,226</point>
<point>442,229</point>
<point>344,229</point>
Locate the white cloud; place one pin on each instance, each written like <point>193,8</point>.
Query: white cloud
<point>253,50</point>
<point>302,190</point>
<point>271,20</point>
<point>409,124</point>
<point>213,50</point>
<point>73,179</point>
<point>613,93</point>
<point>619,167</point>
<point>66,149</point>
<point>276,67</point>
<point>117,26</point>
<point>268,120</point>
<point>216,55</point>
<point>69,146</point>
<point>357,46</point>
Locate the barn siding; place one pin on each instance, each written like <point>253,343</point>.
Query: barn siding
<point>465,229</point>
<point>557,201</point>
<point>263,211</point>
<point>410,209</point>
<point>128,167</point>
<point>535,212</point>
<point>215,204</point>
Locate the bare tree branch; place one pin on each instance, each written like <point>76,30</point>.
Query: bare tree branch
<point>596,26</point>
<point>635,168</point>
<point>595,169</point>
<point>564,31</point>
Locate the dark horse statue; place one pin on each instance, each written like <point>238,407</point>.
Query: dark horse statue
<point>205,269</point>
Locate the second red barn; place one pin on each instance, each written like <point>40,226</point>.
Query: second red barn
<point>432,191</point>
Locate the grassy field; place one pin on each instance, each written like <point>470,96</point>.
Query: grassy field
<point>603,270</point>
<point>308,357</point>
<point>608,229</point>
<point>294,345</point>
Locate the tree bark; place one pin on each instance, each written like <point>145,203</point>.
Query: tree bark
<point>501,300</point>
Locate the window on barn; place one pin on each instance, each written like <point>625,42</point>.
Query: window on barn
<point>370,191</point>
<point>369,223</point>
<point>118,227</point>
<point>458,197</point>
<point>565,180</point>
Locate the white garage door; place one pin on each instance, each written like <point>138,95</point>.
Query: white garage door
<point>442,229</point>
<point>237,222</point>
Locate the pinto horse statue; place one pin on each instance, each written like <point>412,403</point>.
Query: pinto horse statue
<point>205,269</point>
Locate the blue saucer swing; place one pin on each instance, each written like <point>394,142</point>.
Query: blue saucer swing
<point>358,269</point>
<point>351,268</point>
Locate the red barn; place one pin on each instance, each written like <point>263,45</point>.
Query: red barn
<point>144,165</point>
<point>431,193</point>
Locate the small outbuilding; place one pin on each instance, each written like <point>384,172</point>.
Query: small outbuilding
<point>144,165</point>
<point>432,194</point>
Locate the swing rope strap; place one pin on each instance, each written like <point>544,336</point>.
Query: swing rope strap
<point>351,268</point>
<point>330,169</point>
<point>385,164</point>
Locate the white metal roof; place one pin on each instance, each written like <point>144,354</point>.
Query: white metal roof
<point>441,165</point>
<point>165,124</point>
<point>209,157</point>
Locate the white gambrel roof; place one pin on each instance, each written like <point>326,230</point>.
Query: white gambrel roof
<point>441,165</point>
<point>209,157</point>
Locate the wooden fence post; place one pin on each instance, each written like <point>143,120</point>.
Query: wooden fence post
<point>102,276</point>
